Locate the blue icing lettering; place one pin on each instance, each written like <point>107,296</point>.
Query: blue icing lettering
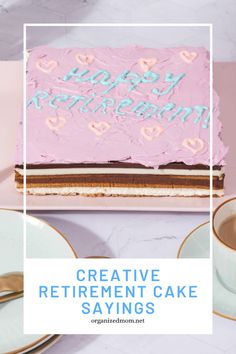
<point>59,98</point>
<point>142,107</point>
<point>133,79</point>
<point>84,108</point>
<point>76,99</point>
<point>124,103</point>
<point>150,77</point>
<point>106,102</point>
<point>170,78</point>
<point>200,110</point>
<point>173,116</point>
<point>121,78</point>
<point>206,121</point>
<point>104,80</point>
<point>35,98</point>
<point>188,111</point>
<point>78,76</point>
<point>168,107</point>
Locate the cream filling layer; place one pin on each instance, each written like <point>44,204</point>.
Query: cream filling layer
<point>124,191</point>
<point>122,171</point>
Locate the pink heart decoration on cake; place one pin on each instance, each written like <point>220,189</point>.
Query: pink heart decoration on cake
<point>187,56</point>
<point>46,66</point>
<point>99,128</point>
<point>147,63</point>
<point>195,145</point>
<point>55,123</point>
<point>85,59</point>
<point>151,133</point>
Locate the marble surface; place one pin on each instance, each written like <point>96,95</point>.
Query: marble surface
<point>122,234</point>
<point>13,13</point>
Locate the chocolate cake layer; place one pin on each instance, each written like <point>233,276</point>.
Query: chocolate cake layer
<point>120,178</point>
<point>124,180</point>
<point>117,164</point>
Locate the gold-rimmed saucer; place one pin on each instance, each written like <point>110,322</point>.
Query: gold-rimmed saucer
<point>197,245</point>
<point>44,346</point>
<point>46,242</point>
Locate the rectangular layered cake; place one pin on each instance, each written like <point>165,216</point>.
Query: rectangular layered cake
<point>127,121</point>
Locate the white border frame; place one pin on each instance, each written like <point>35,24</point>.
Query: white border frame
<point>208,25</point>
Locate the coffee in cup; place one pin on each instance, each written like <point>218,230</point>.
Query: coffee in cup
<point>224,243</point>
<point>227,231</point>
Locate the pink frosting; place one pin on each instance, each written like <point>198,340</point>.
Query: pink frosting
<point>65,135</point>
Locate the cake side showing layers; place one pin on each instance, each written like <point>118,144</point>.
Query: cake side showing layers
<point>146,110</point>
<point>133,180</point>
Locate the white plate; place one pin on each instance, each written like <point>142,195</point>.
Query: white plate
<point>11,109</point>
<point>44,242</point>
<point>197,245</point>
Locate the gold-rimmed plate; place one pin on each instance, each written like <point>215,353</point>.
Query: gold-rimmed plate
<point>43,241</point>
<point>44,346</point>
<point>197,245</point>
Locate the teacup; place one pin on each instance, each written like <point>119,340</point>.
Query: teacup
<point>224,255</point>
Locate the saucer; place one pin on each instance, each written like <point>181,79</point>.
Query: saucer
<point>197,245</point>
<point>43,242</point>
<point>44,346</point>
